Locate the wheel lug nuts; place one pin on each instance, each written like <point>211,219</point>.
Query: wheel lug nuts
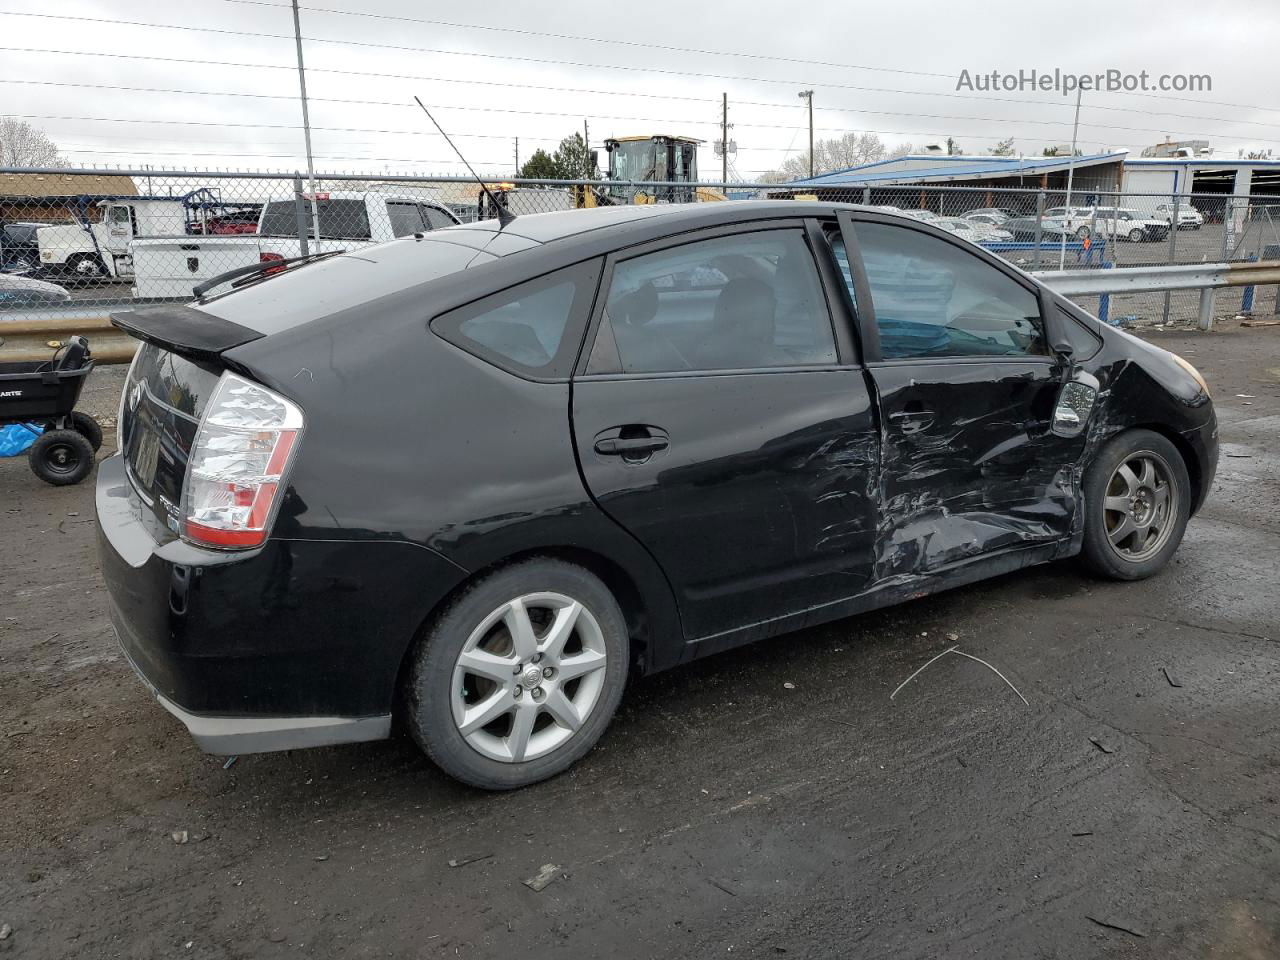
<point>537,658</point>
<point>537,693</point>
<point>518,692</point>
<point>548,673</point>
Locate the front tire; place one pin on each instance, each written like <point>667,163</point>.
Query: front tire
<point>1137,500</point>
<point>519,676</point>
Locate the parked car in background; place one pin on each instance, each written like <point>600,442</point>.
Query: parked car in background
<point>990,219</point>
<point>19,249</point>
<point>1121,222</point>
<point>926,216</point>
<point>479,476</point>
<point>1024,230</point>
<point>1189,218</point>
<point>971,230</point>
<point>19,291</point>
<point>169,267</point>
<point>996,214</point>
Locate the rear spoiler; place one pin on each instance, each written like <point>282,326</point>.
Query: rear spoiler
<point>184,330</point>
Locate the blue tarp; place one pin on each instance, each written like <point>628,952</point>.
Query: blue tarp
<point>17,437</point>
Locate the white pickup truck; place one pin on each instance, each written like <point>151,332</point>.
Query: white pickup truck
<point>166,268</point>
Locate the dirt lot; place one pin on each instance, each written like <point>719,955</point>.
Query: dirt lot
<point>725,812</point>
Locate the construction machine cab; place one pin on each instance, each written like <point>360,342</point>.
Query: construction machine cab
<point>638,160</point>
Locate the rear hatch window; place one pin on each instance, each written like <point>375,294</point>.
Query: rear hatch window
<point>164,398</point>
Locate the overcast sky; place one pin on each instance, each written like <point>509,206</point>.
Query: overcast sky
<point>884,67</point>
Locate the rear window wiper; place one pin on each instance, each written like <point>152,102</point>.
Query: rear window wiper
<point>244,274</point>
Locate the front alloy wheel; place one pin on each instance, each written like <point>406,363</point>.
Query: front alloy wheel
<point>1140,507</point>
<point>519,675</point>
<point>1137,499</point>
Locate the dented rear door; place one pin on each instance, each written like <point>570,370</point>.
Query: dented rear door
<point>966,386</point>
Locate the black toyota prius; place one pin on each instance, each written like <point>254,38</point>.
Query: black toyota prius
<point>475,479</point>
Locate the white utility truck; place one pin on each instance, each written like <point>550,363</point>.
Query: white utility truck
<point>166,268</point>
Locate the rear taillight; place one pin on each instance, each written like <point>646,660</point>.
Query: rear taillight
<point>271,258</point>
<point>237,465</point>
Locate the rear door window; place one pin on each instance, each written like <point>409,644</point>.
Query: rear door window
<point>737,302</point>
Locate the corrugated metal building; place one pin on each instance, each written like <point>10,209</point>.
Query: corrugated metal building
<point>891,181</point>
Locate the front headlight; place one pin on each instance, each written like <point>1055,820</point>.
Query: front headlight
<point>1195,374</point>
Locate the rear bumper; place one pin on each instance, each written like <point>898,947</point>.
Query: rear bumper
<point>296,644</point>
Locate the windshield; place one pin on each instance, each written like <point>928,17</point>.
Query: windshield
<point>339,219</point>
<point>634,160</point>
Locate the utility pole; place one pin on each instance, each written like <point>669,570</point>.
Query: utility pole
<point>1071,169</point>
<point>808,96</point>
<point>724,138</point>
<point>517,156</point>
<point>586,151</point>
<point>306,124</point>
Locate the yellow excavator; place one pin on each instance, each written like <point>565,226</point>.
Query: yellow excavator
<point>634,162</point>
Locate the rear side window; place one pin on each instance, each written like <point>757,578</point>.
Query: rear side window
<point>532,329</point>
<point>344,219</point>
<point>406,218</point>
<point>437,218</point>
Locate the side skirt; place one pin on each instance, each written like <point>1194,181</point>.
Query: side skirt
<point>887,594</point>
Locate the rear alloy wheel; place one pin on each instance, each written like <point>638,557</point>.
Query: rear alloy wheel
<point>1137,502</point>
<point>1135,235</point>
<point>519,677</point>
<point>1082,232</point>
<point>61,457</point>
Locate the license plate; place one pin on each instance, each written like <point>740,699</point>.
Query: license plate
<point>146,456</point>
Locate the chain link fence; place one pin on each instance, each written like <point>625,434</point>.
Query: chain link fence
<point>80,243</point>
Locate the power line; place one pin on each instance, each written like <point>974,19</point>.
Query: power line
<point>293,126</point>
<point>468,26</point>
<point>837,108</point>
<point>570,63</point>
<point>579,37</point>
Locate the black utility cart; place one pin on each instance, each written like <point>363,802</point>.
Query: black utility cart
<point>45,392</point>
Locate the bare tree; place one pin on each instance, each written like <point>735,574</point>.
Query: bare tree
<point>841,153</point>
<point>1004,148</point>
<point>22,145</point>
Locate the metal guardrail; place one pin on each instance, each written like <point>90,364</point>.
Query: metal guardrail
<point>27,337</point>
<point>36,339</point>
<point>1205,277</point>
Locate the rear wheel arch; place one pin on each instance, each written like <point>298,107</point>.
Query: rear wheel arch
<point>618,580</point>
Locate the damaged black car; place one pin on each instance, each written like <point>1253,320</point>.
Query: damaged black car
<point>475,479</point>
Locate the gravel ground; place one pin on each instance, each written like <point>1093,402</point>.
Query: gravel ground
<point>771,801</point>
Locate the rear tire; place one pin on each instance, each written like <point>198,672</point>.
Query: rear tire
<point>1135,236</point>
<point>1137,500</point>
<point>61,457</point>
<point>549,692</point>
<point>88,428</point>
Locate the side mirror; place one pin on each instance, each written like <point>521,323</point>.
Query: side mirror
<point>1075,403</point>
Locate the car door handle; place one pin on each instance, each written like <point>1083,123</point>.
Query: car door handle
<point>618,446</point>
<point>912,420</point>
